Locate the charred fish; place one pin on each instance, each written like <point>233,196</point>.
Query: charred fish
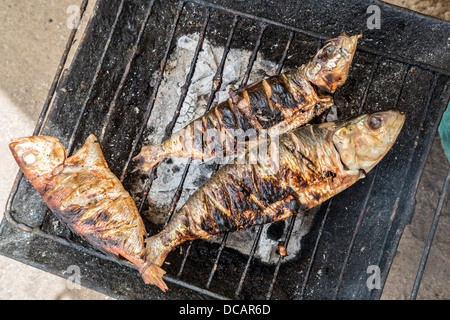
<point>276,104</point>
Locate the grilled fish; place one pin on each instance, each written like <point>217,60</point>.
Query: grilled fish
<point>86,196</point>
<point>314,163</point>
<point>277,104</point>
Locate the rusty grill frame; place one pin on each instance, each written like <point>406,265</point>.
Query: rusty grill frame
<point>217,80</point>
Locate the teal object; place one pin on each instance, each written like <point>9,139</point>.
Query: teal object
<point>444,131</point>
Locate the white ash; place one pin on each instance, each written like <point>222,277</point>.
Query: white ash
<point>332,114</point>
<point>170,171</point>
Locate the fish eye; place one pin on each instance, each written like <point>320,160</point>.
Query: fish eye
<point>29,158</point>
<point>328,51</point>
<point>375,122</point>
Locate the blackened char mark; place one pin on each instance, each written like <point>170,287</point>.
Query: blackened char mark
<point>250,180</point>
<point>259,102</point>
<point>290,205</point>
<point>215,221</point>
<point>292,177</point>
<point>223,223</point>
<point>281,96</point>
<point>234,197</point>
<point>282,209</point>
<point>89,222</point>
<point>103,215</point>
<point>220,132</point>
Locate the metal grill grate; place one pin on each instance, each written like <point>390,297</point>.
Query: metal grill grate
<point>380,206</point>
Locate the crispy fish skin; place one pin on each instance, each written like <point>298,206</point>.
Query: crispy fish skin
<point>277,104</point>
<point>86,196</point>
<point>316,162</point>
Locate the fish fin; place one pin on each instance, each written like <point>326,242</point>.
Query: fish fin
<point>89,154</point>
<point>149,157</point>
<point>152,274</point>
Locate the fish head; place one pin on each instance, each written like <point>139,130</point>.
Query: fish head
<point>37,156</point>
<point>328,69</point>
<point>363,141</point>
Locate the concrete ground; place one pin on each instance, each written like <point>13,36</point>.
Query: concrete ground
<point>33,37</point>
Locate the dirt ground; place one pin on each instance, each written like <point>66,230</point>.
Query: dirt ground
<point>33,37</point>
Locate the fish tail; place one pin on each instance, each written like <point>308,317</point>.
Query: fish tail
<point>153,274</point>
<point>149,157</point>
<point>155,254</point>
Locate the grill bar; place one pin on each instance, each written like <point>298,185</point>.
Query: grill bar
<point>366,91</point>
<point>171,125</point>
<point>183,262</point>
<point>286,49</point>
<point>216,261</point>
<point>184,91</point>
<point>263,27</point>
<point>361,106</point>
<point>417,137</point>
<point>217,81</point>
<point>355,232</point>
<point>300,295</point>
<point>369,192</point>
<point>61,65</point>
<point>244,82</point>
<point>185,87</point>
<point>398,199</point>
<point>430,237</point>
<point>249,261</point>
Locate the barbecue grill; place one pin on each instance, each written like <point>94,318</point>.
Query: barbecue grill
<point>111,89</point>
